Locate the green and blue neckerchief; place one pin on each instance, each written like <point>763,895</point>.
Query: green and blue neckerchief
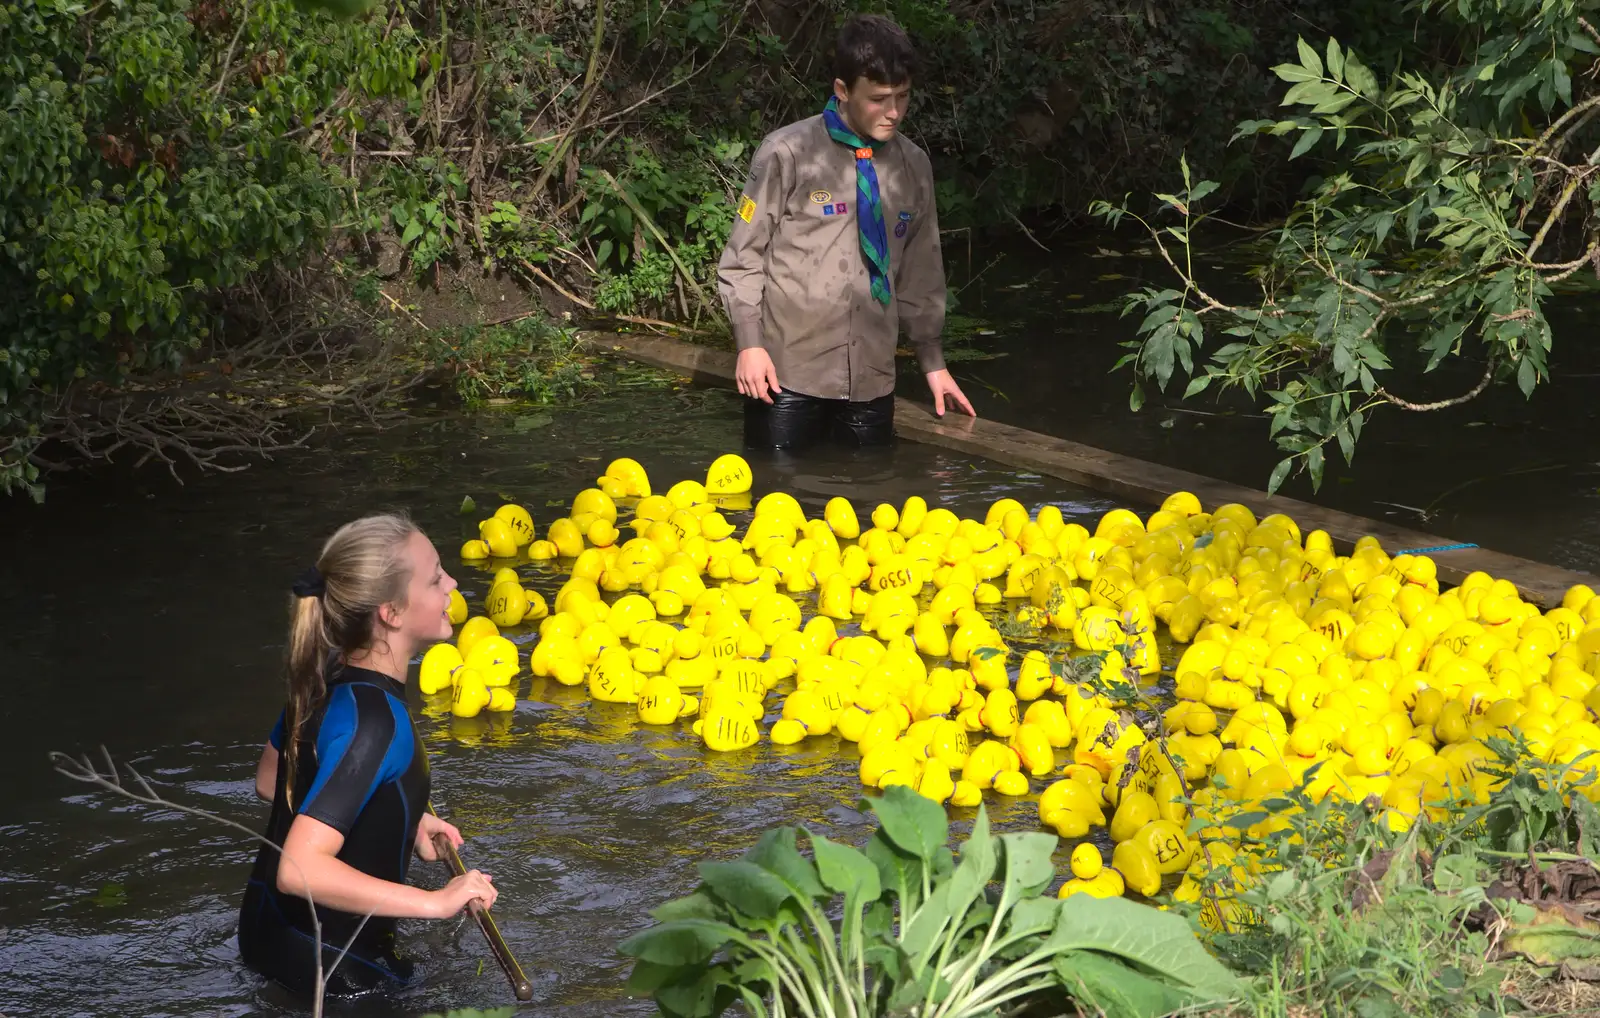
<point>869,207</point>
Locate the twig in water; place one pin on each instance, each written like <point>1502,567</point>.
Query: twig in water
<point>81,769</point>
<point>1028,233</point>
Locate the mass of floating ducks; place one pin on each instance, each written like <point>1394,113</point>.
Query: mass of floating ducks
<point>1295,657</point>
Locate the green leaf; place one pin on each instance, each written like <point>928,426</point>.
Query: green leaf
<point>1196,386</point>
<point>1308,57</point>
<point>951,898</point>
<point>1550,938</point>
<point>1335,60</point>
<point>777,852</point>
<point>1028,868</point>
<point>898,871</point>
<point>844,869</point>
<point>1136,397</point>
<point>698,905</point>
<point>1456,873</point>
<point>1527,376</point>
<point>1308,138</point>
<point>913,823</point>
<point>704,992</point>
<point>1562,80</point>
<point>1115,990</point>
<point>1155,941</point>
<point>684,942</point>
<point>1034,915</point>
<point>1279,474</point>
<point>1358,77</point>
<point>747,887</point>
<point>468,505</point>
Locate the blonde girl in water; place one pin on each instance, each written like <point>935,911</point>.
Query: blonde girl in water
<point>345,771</point>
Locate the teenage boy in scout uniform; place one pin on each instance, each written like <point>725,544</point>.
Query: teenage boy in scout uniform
<point>834,248</point>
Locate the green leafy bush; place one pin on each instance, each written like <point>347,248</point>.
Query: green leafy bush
<point>921,931</point>
<point>155,156</point>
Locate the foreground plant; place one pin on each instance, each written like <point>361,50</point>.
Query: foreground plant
<point>921,931</point>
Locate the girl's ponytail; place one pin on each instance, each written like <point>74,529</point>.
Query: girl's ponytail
<point>308,656</point>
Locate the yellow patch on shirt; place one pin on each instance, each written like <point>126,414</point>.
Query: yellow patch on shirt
<point>747,207</point>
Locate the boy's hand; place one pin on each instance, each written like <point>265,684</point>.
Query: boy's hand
<point>755,374</point>
<point>940,384</point>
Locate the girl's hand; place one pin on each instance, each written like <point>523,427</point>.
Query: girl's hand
<point>427,827</point>
<point>460,892</point>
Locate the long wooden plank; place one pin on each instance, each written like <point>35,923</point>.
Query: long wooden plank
<point>1136,480</point>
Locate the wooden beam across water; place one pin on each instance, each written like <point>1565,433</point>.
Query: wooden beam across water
<point>1136,480</point>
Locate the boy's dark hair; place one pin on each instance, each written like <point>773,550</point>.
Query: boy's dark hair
<point>873,47</point>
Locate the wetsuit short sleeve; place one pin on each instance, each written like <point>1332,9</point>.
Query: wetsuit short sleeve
<point>275,740</point>
<point>365,740</point>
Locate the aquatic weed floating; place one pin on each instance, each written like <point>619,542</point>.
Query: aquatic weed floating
<point>1348,676</point>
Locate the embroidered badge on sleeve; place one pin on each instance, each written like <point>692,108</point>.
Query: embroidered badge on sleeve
<point>747,208</point>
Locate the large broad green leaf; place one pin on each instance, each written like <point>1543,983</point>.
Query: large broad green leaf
<point>754,890</point>
<point>1158,942</point>
<point>704,992</point>
<point>777,853</point>
<point>845,870</point>
<point>1034,915</point>
<point>647,976</point>
<point>683,942</point>
<point>953,896</point>
<point>914,823</point>
<point>1115,990</point>
<point>698,905</point>
<point>1028,867</point>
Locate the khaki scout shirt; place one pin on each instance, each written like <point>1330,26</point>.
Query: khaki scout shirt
<point>793,276</point>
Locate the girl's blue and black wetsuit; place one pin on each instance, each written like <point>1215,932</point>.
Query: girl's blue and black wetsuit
<point>361,770</point>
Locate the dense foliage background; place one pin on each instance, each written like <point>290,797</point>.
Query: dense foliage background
<point>168,163</point>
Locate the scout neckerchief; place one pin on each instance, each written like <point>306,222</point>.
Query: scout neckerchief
<point>869,210</point>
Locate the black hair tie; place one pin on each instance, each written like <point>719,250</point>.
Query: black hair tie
<point>310,584</point>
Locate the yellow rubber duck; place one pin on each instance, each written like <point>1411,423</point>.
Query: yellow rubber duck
<point>1089,875</point>
<point>1138,867</point>
<point>470,695</point>
<point>612,678</point>
<point>729,474</point>
<point>495,659</point>
<point>627,473</point>
<point>497,535</point>
<point>438,668</point>
<point>661,702</point>
<point>473,630</point>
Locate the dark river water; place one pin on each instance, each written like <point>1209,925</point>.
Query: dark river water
<point>150,618</point>
<point>1520,476</point>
